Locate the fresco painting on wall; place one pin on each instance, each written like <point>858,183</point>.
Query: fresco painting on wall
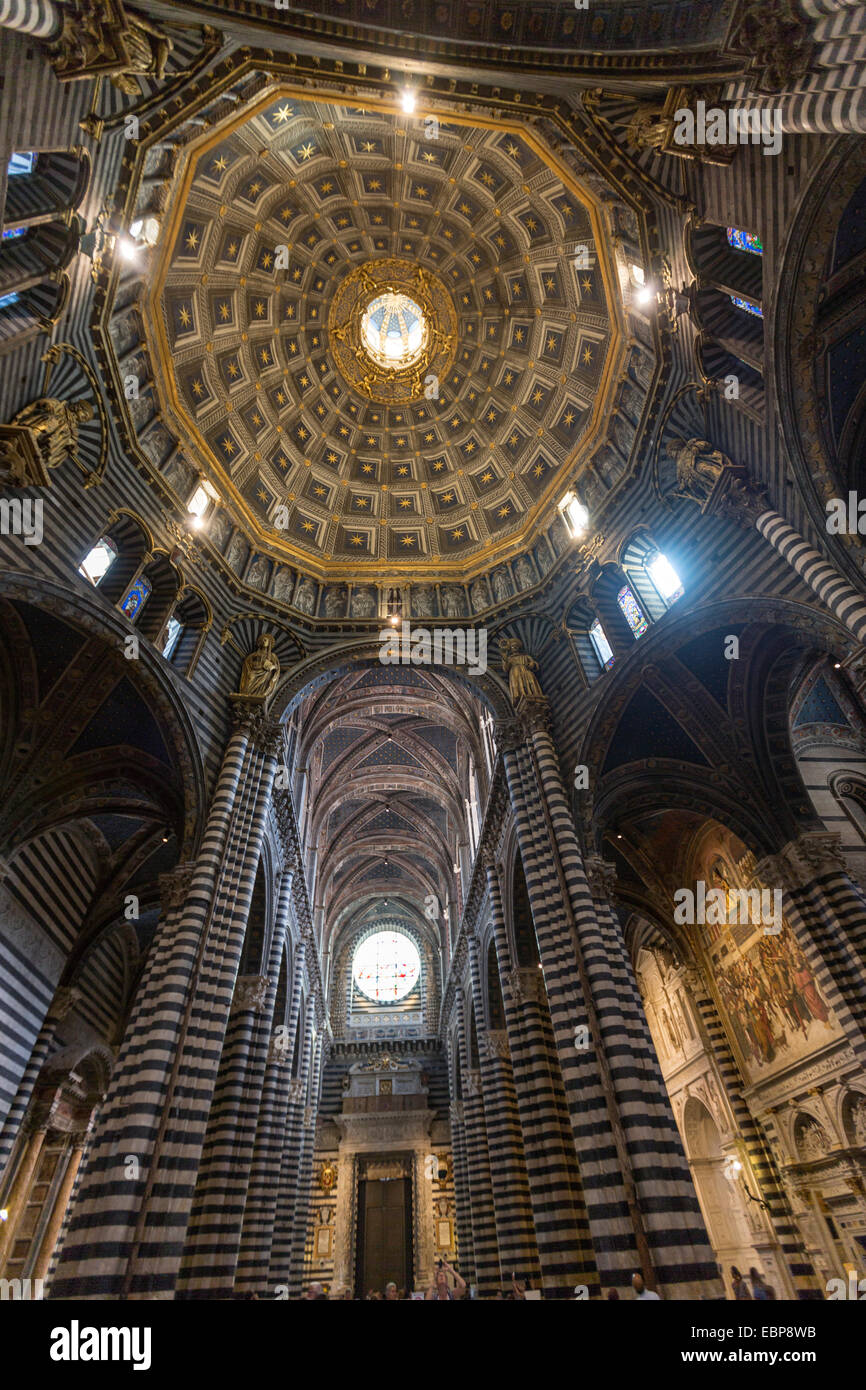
<point>772,1007</point>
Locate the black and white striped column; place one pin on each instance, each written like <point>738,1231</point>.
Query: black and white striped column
<point>40,18</point>
<point>560,1224</point>
<point>484,1243</point>
<point>63,1002</point>
<point>126,1233</point>
<point>513,1212</point>
<point>255,1246</point>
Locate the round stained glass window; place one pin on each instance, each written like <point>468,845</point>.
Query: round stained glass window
<point>386,966</point>
<point>394,330</point>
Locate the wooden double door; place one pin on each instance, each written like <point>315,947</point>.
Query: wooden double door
<point>384,1250</point>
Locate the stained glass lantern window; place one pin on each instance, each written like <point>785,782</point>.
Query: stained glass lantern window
<point>136,597</point>
<point>631,611</point>
<point>98,561</point>
<point>745,241</point>
<point>665,578</point>
<point>386,967</point>
<point>748,306</point>
<point>14,233</point>
<point>394,329</point>
<point>7,300</point>
<point>603,649</point>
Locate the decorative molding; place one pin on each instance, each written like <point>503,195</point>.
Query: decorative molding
<point>251,993</point>
<point>174,886</point>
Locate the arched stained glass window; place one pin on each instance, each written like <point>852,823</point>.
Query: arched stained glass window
<point>136,597</point>
<point>603,649</point>
<point>745,241</point>
<point>747,306</point>
<point>631,611</point>
<point>8,300</point>
<point>386,966</point>
<point>14,233</point>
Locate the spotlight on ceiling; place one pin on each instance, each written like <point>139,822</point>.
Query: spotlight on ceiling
<point>574,514</point>
<point>408,100</point>
<point>644,294</point>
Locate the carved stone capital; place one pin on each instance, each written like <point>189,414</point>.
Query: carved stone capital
<point>251,993</point>
<point>601,877</point>
<point>777,39</point>
<point>174,886</point>
<point>471,1079</point>
<point>508,734</point>
<point>64,1001</point>
<point>296,1090</point>
<point>741,502</point>
<point>534,711</point>
<point>811,855</point>
<point>494,1043</point>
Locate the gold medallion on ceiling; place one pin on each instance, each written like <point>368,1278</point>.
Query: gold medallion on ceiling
<point>393,331</point>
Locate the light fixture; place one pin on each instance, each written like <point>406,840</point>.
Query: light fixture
<point>394,620</point>
<point>126,248</point>
<point>408,100</point>
<point>145,230</point>
<point>644,294</point>
<point>574,514</point>
<point>4,1214</point>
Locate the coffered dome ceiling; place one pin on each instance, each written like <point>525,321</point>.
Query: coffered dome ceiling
<point>299,230</point>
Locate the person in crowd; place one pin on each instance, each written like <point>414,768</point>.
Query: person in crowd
<point>761,1290</point>
<point>740,1286</point>
<point>315,1290</point>
<point>641,1291</point>
<point>440,1289</point>
<point>391,1295</point>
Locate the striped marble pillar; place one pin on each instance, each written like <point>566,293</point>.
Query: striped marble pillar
<point>40,18</point>
<point>210,1254</point>
<point>290,1158</point>
<point>558,1209</point>
<point>827,914</point>
<point>665,1189</point>
<point>462,1201</point>
<point>63,1003</point>
<point>785,1244</point>
<point>734,497</point>
<point>255,1246</point>
<point>126,1232</point>
<point>663,1207</point>
<point>485,1248</point>
<point>301,1219</point>
<point>512,1208</point>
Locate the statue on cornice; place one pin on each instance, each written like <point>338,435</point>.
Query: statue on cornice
<point>519,667</point>
<point>699,467</point>
<point>422,601</point>
<point>100,39</point>
<point>260,671</point>
<point>41,436</point>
